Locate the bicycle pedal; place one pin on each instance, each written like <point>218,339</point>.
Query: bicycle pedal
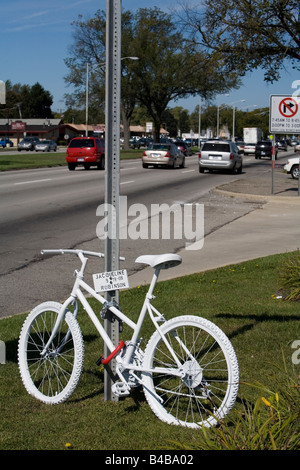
<point>120,389</point>
<point>99,361</point>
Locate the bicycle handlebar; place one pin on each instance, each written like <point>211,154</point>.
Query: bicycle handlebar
<point>77,252</point>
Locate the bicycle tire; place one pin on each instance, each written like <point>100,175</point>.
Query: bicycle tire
<point>51,379</point>
<point>208,390</point>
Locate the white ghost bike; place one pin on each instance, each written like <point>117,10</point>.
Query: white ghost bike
<point>189,370</point>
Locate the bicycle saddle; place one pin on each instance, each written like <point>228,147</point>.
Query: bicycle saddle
<point>165,261</point>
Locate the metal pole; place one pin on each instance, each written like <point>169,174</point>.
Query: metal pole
<point>199,125</point>
<point>273,161</point>
<point>233,125</point>
<point>87,100</point>
<point>299,175</point>
<point>112,167</point>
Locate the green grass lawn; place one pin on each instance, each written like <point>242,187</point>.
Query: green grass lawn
<point>24,160</point>
<point>240,299</point>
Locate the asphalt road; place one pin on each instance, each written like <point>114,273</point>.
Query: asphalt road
<point>56,208</point>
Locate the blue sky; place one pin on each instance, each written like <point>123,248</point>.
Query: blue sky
<point>35,36</point>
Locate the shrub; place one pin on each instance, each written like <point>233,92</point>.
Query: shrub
<point>289,278</point>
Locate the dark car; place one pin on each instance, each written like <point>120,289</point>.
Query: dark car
<point>281,145</point>
<point>184,148</point>
<point>264,148</point>
<point>28,143</point>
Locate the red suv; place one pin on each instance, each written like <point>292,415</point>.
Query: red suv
<point>86,151</point>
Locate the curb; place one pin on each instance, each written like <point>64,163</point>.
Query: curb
<point>270,198</point>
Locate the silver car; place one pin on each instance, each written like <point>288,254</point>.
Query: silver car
<point>163,154</point>
<point>46,146</point>
<point>220,155</point>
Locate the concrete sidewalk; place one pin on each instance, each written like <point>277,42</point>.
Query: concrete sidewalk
<point>274,227</point>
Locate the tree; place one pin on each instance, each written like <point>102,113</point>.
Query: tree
<point>182,119</point>
<point>247,34</point>
<point>167,69</point>
<point>25,101</point>
<point>89,48</point>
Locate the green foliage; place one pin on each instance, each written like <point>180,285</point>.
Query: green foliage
<point>246,34</point>
<point>26,101</point>
<point>167,69</point>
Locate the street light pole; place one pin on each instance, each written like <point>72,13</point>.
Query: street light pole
<point>87,100</point>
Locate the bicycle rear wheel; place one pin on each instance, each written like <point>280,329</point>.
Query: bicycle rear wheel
<point>207,388</point>
<point>54,377</point>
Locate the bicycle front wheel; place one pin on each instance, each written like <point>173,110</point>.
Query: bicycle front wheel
<point>206,387</point>
<point>51,378</point>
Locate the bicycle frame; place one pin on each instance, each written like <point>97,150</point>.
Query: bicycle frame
<point>127,361</point>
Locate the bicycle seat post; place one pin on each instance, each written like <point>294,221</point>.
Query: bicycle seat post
<point>153,283</point>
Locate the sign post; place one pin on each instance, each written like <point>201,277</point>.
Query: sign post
<point>112,170</point>
<point>273,137</point>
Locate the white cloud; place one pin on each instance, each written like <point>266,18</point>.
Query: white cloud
<point>20,16</point>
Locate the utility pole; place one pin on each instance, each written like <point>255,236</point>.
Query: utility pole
<point>112,169</point>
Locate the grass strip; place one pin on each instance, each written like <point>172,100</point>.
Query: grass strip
<point>26,160</point>
<point>241,299</point>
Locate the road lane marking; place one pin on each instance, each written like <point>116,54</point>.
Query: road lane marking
<point>129,168</point>
<point>34,181</point>
<point>127,182</point>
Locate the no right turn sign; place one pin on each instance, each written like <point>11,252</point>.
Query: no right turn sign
<point>284,114</point>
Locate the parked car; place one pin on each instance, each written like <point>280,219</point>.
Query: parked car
<point>134,143</point>
<point>28,143</point>
<point>6,142</point>
<point>86,151</point>
<point>184,148</point>
<point>240,145</point>
<point>292,167</point>
<point>220,155</point>
<point>297,147</point>
<point>163,154</point>
<point>46,146</point>
<point>249,149</point>
<point>264,148</point>
<point>281,145</point>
